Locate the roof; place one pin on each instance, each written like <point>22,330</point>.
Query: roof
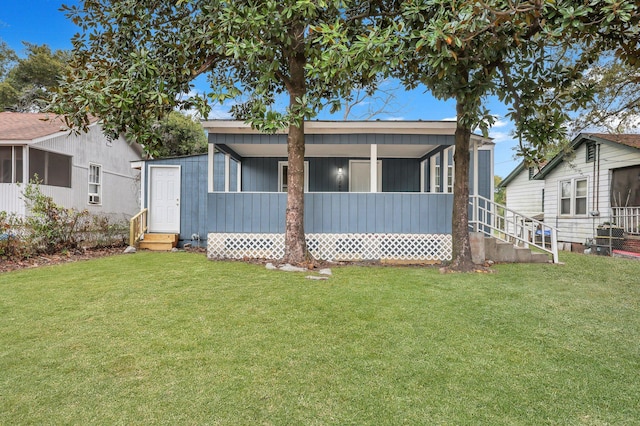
<point>22,126</point>
<point>630,140</point>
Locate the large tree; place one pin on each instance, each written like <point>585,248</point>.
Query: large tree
<point>529,53</point>
<point>615,107</point>
<point>180,135</point>
<point>7,58</point>
<point>135,59</point>
<point>29,81</point>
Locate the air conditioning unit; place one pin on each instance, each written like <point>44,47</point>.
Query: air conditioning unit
<point>94,199</point>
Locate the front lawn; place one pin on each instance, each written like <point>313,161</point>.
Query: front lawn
<point>172,338</point>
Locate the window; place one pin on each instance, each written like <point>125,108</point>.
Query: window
<point>442,171</point>
<point>11,164</point>
<point>437,184</point>
<point>360,175</point>
<point>51,168</point>
<point>283,184</point>
<point>590,152</point>
<point>450,178</point>
<point>573,197</point>
<point>95,184</point>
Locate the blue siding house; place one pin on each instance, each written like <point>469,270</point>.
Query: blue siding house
<point>233,198</point>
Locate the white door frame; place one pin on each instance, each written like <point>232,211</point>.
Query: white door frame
<point>149,197</point>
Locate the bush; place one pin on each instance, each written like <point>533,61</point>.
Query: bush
<point>52,228</point>
<point>11,238</point>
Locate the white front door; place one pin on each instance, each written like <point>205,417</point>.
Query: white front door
<point>164,199</point>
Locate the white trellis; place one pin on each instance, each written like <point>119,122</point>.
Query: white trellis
<point>334,247</point>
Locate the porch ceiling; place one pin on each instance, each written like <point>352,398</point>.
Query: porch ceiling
<point>334,150</point>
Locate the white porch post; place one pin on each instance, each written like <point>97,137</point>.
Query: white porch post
<point>227,172</point>
<point>239,177</point>
<point>475,168</point>
<point>374,168</point>
<point>25,164</point>
<point>211,152</point>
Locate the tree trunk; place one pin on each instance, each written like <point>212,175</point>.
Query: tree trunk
<point>295,250</point>
<point>461,256</point>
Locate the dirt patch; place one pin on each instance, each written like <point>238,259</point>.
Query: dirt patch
<point>55,259</point>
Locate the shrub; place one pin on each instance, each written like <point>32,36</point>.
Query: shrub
<point>11,241</point>
<point>52,228</point>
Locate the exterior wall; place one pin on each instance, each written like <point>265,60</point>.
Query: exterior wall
<point>333,212</point>
<point>11,198</point>
<point>338,139</point>
<point>120,183</point>
<point>193,188</point>
<point>485,173</point>
<point>578,229</point>
<point>524,195</point>
<point>261,174</point>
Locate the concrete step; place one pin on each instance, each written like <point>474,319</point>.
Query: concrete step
<point>500,251</point>
<point>539,258</point>
<point>159,242</point>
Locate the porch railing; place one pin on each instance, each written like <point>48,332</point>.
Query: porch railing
<point>627,218</point>
<point>502,223</point>
<point>137,227</point>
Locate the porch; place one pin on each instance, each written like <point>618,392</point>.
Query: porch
<point>338,226</point>
<point>373,190</point>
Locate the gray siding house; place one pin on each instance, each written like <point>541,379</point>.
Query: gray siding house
<point>85,171</point>
<point>233,199</point>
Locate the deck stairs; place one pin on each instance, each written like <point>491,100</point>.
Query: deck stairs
<point>504,235</point>
<point>158,242</point>
<point>507,252</point>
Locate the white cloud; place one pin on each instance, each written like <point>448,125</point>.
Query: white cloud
<point>450,119</point>
<point>500,123</point>
<point>500,137</point>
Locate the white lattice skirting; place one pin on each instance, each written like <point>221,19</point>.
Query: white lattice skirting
<point>334,247</point>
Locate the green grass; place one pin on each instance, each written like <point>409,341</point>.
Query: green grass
<point>172,338</point>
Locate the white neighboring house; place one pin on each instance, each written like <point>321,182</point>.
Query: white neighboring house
<point>596,183</point>
<point>524,194</point>
<point>85,171</point>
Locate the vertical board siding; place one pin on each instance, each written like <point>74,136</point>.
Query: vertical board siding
<point>260,174</point>
<point>323,174</point>
<point>484,173</point>
<point>193,188</point>
<point>400,175</point>
<point>338,139</point>
<point>333,213</point>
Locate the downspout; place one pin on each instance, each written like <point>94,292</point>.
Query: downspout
<point>598,177</point>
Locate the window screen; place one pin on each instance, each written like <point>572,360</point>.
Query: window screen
<point>50,168</point>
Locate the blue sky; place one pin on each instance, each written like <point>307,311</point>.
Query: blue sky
<point>40,22</point>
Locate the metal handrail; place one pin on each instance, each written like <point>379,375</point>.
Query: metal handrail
<point>137,227</point>
<point>498,221</point>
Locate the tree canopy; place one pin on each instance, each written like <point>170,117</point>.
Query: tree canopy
<point>531,54</point>
<point>615,107</point>
<point>135,60</point>
<point>180,135</point>
<point>27,83</point>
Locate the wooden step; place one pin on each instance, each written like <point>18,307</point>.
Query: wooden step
<point>159,242</point>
